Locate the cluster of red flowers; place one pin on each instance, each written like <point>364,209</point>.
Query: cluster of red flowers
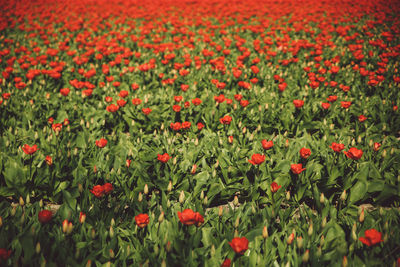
<point>100,190</point>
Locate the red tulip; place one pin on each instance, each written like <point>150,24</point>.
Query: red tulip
<point>298,103</point>
<point>267,144</point>
<point>101,143</point>
<point>142,220</point>
<point>189,217</point>
<point>354,153</point>
<point>275,187</point>
<point>305,153</point>
<point>29,150</point>
<point>239,245</point>
<point>337,147</point>
<point>257,159</point>
<point>163,158</point>
<point>372,237</point>
<point>297,168</point>
<point>44,216</point>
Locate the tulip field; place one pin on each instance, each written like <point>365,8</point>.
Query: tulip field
<point>199,133</point>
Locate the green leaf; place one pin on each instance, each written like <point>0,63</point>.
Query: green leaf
<point>358,191</point>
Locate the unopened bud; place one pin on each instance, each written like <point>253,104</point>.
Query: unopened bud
<point>169,188</point>
<point>205,201</point>
<point>65,226</point>
<point>89,263</point>
<point>93,234</point>
<point>111,253</point>
<point>37,249</point>
<point>310,230</point>
<point>202,195</point>
<point>299,242</point>
<point>344,261</point>
<point>290,239</point>
<point>220,211</point>
<point>319,251</point>
<point>161,217</point>
<point>265,232</point>
<point>323,224</point>
<point>182,197</point>
<point>236,201</point>
<point>361,217</point>
<point>1,221</point>
<point>288,195</point>
<point>212,250</point>
<point>174,161</point>
<point>353,232</point>
<point>70,227</point>
<point>13,210</point>
<point>306,256</point>
<point>80,188</point>
<point>140,197</point>
<point>343,196</point>
<point>146,189</point>
<point>322,240</point>
<point>322,198</point>
<point>111,231</point>
<point>237,222</point>
<point>41,203</point>
<point>21,201</point>
<point>168,246</point>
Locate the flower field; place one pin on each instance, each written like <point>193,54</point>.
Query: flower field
<point>199,133</point>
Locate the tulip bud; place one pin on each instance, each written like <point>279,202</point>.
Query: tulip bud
<point>212,250</point>
<point>236,201</point>
<point>140,197</point>
<point>163,263</point>
<point>13,210</point>
<point>353,232</point>
<point>319,251</point>
<point>43,263</point>
<point>265,232</point>
<point>65,226</point>
<point>93,234</point>
<point>290,239</point>
<point>111,231</point>
<point>205,201</point>
<point>323,223</point>
<point>288,195</point>
<point>82,217</point>
<point>168,246</point>
<point>220,211</point>
<point>22,218</point>
<point>161,217</point>
<point>169,188</point>
<point>322,240</point>
<point>361,217</point>
<point>174,161</point>
<point>146,189</point>
<point>168,203</point>
<point>385,226</point>
<point>70,227</point>
<point>1,221</point>
<point>111,253</point>
<point>306,256</point>
<point>344,261</point>
<point>194,167</point>
<point>182,197</point>
<point>322,198</point>
<point>310,230</point>
<point>299,242</point>
<point>343,196</point>
<point>384,153</point>
<point>287,143</point>
<point>202,195</point>
<point>21,201</point>
<point>37,249</point>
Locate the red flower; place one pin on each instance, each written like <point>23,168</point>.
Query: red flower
<point>226,119</point>
<point>49,160</point>
<point>325,105</point>
<point>337,147</point>
<point>267,144</point>
<point>275,187</point>
<point>142,220</point>
<point>239,245</point>
<point>200,126</point>
<point>244,103</point>
<point>196,101</point>
<point>44,216</point>
<point>112,108</point>
<point>29,150</point>
<point>163,158</point>
<point>354,153</point>
<point>189,217</point>
<point>305,153</point>
<point>361,118</point>
<point>176,108</point>
<point>178,98</point>
<point>298,103</point>
<point>376,146</point>
<point>121,102</point>
<point>257,159</point>
<point>98,191</point>
<point>64,91</point>
<point>101,143</point>
<point>238,97</point>
<point>123,93</point>
<point>4,254</point>
<point>186,125</point>
<point>297,168</point>
<point>176,126</point>
<point>372,237</point>
<point>146,111</point>
<point>345,104</point>
<point>226,263</point>
<point>56,127</point>
<point>107,187</point>
<point>332,98</point>
<point>108,99</point>
<point>186,104</point>
<point>136,101</point>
